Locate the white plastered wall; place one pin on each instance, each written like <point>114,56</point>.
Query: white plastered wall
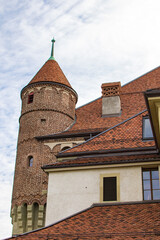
<point>72,191</point>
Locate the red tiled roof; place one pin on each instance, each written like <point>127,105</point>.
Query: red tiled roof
<point>50,72</point>
<point>105,221</point>
<point>89,116</point>
<point>147,81</point>
<point>107,160</point>
<point>125,135</point>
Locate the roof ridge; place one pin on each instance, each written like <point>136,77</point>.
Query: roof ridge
<point>140,76</point>
<point>121,86</point>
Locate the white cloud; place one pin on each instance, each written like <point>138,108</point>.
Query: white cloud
<point>97,41</point>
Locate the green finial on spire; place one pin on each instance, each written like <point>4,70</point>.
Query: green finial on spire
<point>52,50</point>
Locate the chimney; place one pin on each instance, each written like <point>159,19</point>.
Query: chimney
<point>111,103</point>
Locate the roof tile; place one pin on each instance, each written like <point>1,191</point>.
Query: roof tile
<point>127,134</point>
<point>105,221</point>
<point>89,116</point>
<point>50,72</point>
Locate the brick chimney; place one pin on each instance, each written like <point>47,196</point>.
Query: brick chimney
<point>111,103</point>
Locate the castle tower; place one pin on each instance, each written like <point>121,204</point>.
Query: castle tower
<point>48,107</point>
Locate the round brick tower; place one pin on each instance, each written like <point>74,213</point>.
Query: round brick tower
<point>48,107</point>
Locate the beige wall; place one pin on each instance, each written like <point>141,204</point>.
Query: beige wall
<point>73,191</point>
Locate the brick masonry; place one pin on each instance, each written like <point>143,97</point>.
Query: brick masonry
<point>52,111</point>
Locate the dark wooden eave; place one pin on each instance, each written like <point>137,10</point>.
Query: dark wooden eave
<point>83,162</point>
<point>69,135</point>
<point>127,151</point>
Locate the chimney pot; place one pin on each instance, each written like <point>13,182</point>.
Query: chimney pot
<point>111,103</point>
<point>111,89</point>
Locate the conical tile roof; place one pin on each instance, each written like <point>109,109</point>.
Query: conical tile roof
<point>50,72</point>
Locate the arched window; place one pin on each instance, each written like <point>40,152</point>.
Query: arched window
<point>35,215</point>
<point>30,161</point>
<point>30,97</point>
<point>65,148</point>
<point>24,217</point>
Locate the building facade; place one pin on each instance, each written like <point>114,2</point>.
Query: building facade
<point>101,155</point>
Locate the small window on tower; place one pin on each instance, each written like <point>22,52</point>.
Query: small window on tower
<point>30,158</point>
<point>30,97</point>
<point>43,120</point>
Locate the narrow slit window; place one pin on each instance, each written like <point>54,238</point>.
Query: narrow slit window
<point>30,161</point>
<point>35,215</point>
<point>43,120</point>
<point>24,217</point>
<point>30,97</point>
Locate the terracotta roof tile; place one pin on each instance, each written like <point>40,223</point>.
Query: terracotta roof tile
<point>127,134</point>
<point>89,116</point>
<point>105,221</point>
<point>50,72</point>
<point>147,81</point>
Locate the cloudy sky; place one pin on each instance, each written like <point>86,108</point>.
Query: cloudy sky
<point>97,41</point>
